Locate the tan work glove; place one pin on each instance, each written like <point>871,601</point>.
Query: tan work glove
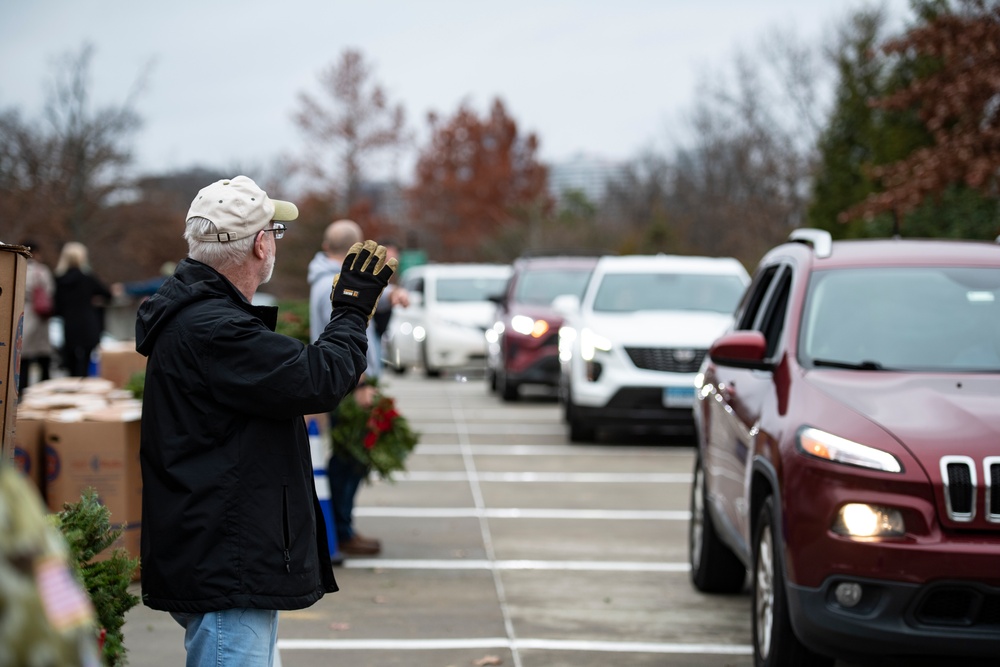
<point>362,277</point>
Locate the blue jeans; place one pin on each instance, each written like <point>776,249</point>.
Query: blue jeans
<point>243,637</point>
<point>345,476</point>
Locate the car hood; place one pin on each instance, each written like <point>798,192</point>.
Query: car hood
<point>659,328</point>
<point>931,415</point>
<point>536,312</point>
<point>468,313</point>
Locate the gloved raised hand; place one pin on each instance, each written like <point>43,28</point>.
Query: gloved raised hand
<point>363,276</point>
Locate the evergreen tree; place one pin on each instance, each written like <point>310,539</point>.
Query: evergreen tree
<point>86,526</point>
<point>912,142</point>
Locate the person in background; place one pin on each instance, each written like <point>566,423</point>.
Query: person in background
<point>395,295</point>
<point>229,509</point>
<point>36,347</point>
<point>345,476</point>
<point>140,289</point>
<point>80,301</point>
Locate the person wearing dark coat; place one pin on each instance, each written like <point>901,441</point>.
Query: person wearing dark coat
<point>80,300</point>
<point>229,508</point>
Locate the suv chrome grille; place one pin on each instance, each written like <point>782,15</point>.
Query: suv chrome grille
<point>666,359</point>
<point>959,476</point>
<point>991,477</point>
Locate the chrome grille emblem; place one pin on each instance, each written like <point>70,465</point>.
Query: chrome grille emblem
<point>683,356</point>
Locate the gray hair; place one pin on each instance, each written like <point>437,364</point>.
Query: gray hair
<point>220,256</point>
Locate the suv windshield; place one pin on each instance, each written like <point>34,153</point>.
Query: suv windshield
<point>630,292</point>
<point>469,289</point>
<point>912,318</point>
<point>540,287</point>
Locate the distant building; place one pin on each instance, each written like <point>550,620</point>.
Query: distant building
<point>588,174</point>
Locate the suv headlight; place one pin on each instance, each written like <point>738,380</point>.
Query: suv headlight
<point>590,342</point>
<point>526,326</point>
<point>567,335</point>
<point>863,520</point>
<point>823,445</point>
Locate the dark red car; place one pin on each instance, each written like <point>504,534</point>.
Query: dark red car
<point>523,345</point>
<point>849,451</point>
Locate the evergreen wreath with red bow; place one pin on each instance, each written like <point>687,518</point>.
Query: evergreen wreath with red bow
<point>378,437</point>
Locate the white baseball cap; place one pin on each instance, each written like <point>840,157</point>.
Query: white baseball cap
<point>238,208</point>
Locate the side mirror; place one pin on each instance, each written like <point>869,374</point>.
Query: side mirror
<point>741,349</point>
<point>566,305</point>
<point>498,299</point>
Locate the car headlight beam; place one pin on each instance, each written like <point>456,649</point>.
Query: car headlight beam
<point>591,342</point>
<point>823,445</point>
<point>526,326</point>
<point>863,521</point>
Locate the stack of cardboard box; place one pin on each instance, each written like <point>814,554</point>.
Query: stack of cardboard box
<point>119,362</point>
<point>87,433</point>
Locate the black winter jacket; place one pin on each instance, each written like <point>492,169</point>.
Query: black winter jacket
<point>230,517</point>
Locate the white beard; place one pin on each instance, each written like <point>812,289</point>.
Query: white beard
<point>267,269</point>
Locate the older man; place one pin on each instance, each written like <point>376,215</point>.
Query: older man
<point>230,532</point>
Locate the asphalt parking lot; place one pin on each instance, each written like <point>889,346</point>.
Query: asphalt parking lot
<point>505,545</point>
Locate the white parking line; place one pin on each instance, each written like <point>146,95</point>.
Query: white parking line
<point>522,513</point>
<point>490,428</point>
<point>511,565</point>
<point>617,451</point>
<point>567,477</point>
<point>517,644</point>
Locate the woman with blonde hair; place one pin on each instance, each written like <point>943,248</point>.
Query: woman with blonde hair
<point>80,301</point>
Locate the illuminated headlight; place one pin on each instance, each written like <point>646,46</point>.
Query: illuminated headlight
<point>419,333</point>
<point>590,342</point>
<point>566,337</point>
<point>823,445</point>
<point>405,328</point>
<point>526,326</point>
<point>492,336</point>
<point>863,520</point>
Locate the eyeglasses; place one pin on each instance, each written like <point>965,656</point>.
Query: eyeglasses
<point>278,230</point>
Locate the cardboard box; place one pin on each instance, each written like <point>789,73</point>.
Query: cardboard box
<point>119,362</point>
<point>13,270</point>
<point>99,450</point>
<point>29,447</point>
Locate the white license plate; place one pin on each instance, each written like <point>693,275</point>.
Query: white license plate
<point>678,397</point>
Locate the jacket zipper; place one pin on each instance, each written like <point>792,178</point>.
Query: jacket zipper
<point>284,518</point>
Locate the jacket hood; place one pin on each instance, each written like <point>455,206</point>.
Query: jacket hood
<point>321,265</point>
<point>191,283</point>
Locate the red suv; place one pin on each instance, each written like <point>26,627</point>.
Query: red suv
<point>523,345</point>
<point>848,454</point>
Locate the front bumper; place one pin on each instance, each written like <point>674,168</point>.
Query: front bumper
<point>638,408</point>
<point>542,369</point>
<point>943,618</point>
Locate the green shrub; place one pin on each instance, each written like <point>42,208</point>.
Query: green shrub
<point>86,526</point>
<point>293,320</point>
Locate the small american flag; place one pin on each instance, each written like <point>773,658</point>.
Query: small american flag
<point>65,602</point>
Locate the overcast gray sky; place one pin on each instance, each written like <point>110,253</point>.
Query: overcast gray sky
<point>606,78</point>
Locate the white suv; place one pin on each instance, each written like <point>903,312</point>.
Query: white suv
<point>444,326</point>
<point>631,347</point>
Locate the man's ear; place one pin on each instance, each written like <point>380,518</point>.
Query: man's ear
<point>259,251</point>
